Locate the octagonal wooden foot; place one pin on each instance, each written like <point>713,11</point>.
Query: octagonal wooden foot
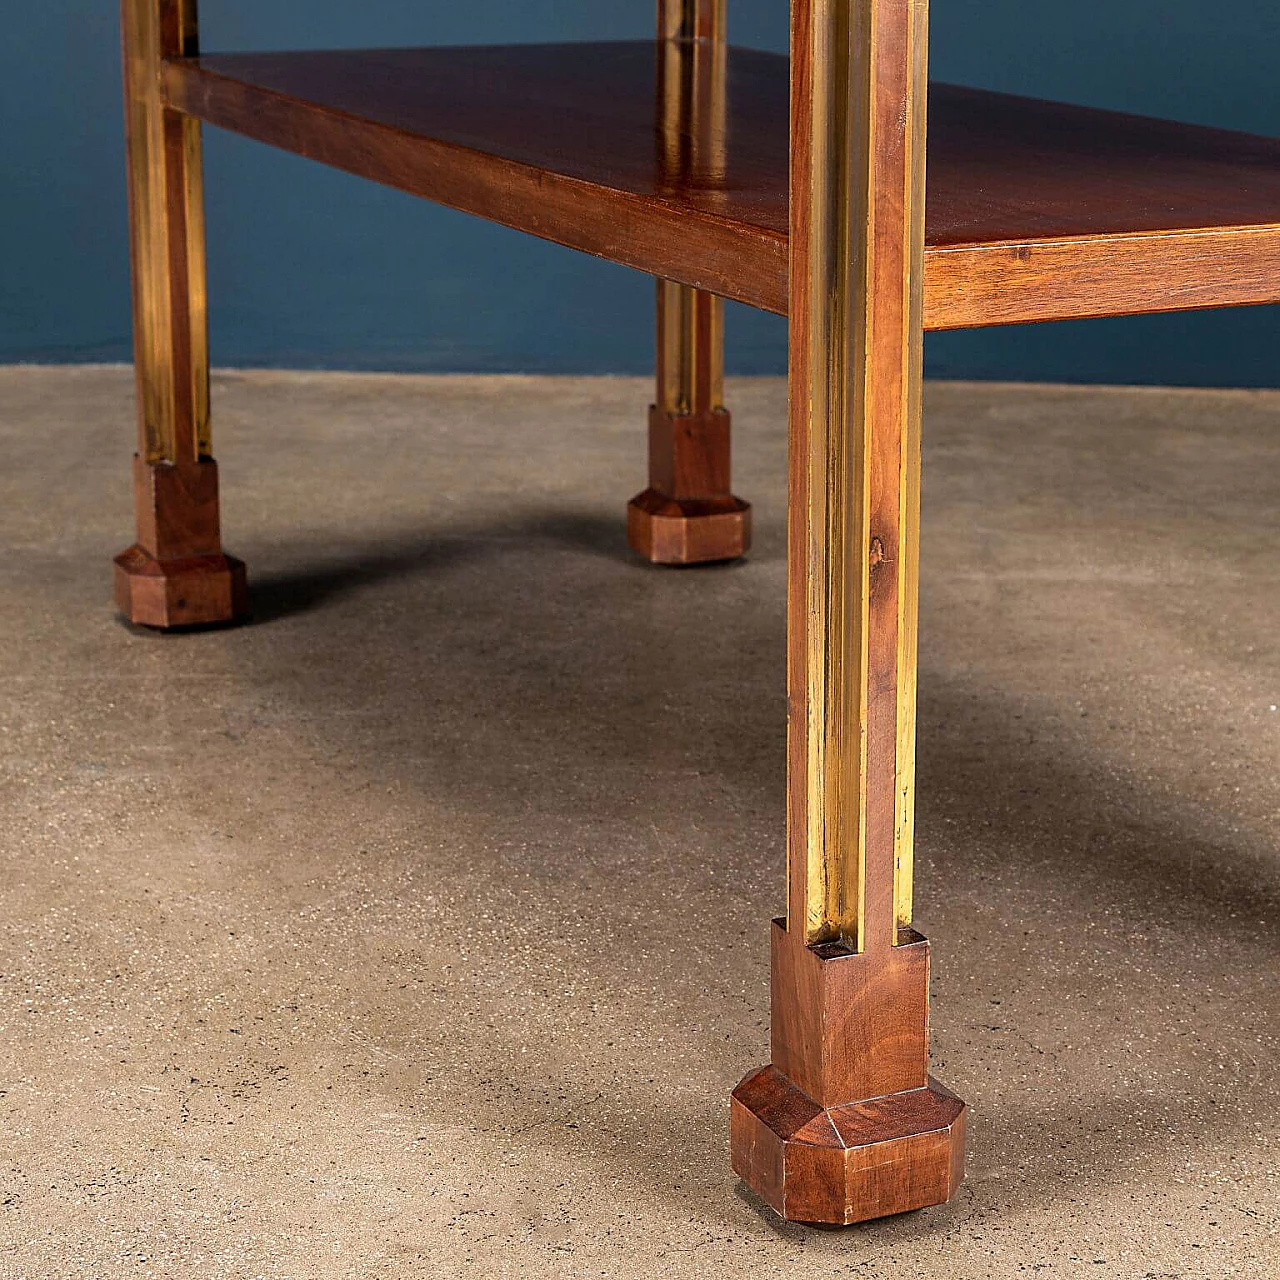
<point>196,591</point>
<point>846,1124</point>
<point>176,574</point>
<point>849,1163</point>
<point>688,530</point>
<point>688,514</point>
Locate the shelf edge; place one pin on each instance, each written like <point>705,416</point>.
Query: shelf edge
<point>1140,273</point>
<point>730,258</point>
<point>966,285</point>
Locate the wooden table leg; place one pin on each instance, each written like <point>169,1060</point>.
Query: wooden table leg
<point>688,514</point>
<point>845,1124</point>
<point>176,573</point>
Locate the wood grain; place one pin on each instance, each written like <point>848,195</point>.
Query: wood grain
<point>1036,210</point>
<point>166,238</point>
<point>197,591</point>
<point>844,1124</point>
<point>847,1024</point>
<point>554,140</point>
<point>177,508</point>
<point>845,1164</point>
<point>176,574</point>
<point>688,514</point>
<point>855,365</point>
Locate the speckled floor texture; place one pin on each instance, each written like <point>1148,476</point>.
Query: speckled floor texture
<point>420,927</point>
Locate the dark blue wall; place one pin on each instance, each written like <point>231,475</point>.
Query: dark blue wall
<point>311,268</point>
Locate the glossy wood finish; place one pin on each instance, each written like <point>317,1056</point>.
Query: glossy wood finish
<point>1040,211</point>
<point>844,1124</point>
<point>551,139</point>
<point>849,1024</point>
<point>176,573</point>
<point>799,188</point>
<point>166,224</point>
<point>691,136</point>
<point>855,361</point>
<point>689,514</point>
<point>847,1164</point>
<point>1036,210</point>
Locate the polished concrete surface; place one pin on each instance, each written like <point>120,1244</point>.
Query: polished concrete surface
<point>420,928</point>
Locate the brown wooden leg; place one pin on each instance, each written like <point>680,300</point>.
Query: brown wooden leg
<point>176,573</point>
<point>688,514</point>
<point>845,1124</point>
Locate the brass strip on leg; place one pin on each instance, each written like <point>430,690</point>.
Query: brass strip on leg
<point>909,501</point>
<point>167,238</point>
<point>691,112</point>
<point>691,20</point>
<point>690,350</point>
<point>856,316</point>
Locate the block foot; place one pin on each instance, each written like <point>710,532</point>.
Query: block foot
<point>193,591</point>
<point>848,1163</point>
<point>845,1124</point>
<point>668,530</point>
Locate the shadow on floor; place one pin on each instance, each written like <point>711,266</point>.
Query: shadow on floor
<point>545,653</point>
<point>284,594</point>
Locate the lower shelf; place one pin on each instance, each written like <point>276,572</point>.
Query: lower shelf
<point>1036,210</point>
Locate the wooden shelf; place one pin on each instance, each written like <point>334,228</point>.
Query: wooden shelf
<point>1036,211</point>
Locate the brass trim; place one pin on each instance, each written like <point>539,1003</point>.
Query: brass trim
<point>692,19</point>
<point>838,525</point>
<point>909,501</point>
<point>692,118</point>
<point>690,346</point>
<point>167,238</point>
<point>848,250</point>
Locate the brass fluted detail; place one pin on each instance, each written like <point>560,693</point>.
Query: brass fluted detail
<point>691,20</point>
<point>858,239</point>
<point>909,480</point>
<point>692,124</point>
<point>170,308</point>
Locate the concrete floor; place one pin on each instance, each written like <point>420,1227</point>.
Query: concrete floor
<point>420,928</point>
